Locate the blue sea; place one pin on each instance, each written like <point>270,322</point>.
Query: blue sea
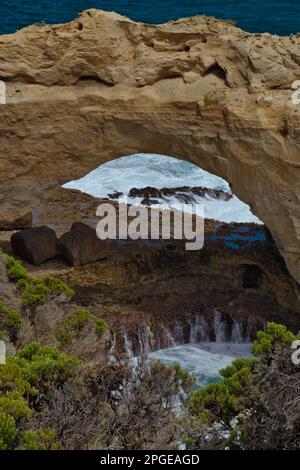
<point>274,16</point>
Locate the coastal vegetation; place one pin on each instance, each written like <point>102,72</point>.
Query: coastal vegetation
<point>53,399</point>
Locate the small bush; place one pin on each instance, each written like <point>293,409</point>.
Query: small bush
<point>15,270</point>
<point>58,287</point>
<point>275,336</point>
<point>81,317</point>
<point>13,322</point>
<point>101,326</point>
<point>35,291</point>
<point>72,325</point>
<point>24,381</point>
<point>10,320</point>
<point>220,401</point>
<point>3,308</point>
<point>14,404</point>
<point>8,431</point>
<point>43,439</point>
<point>42,365</point>
<point>63,336</point>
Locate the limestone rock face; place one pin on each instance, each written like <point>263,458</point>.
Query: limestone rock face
<point>81,246</point>
<point>199,89</point>
<point>35,245</point>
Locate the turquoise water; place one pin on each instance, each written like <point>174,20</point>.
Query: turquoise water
<point>274,16</point>
<point>204,360</point>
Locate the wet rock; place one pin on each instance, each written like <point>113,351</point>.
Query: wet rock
<point>81,245</point>
<point>35,245</point>
<point>184,194</point>
<point>115,195</point>
<point>147,192</point>
<point>149,202</point>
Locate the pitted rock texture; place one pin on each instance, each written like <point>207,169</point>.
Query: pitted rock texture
<point>199,89</point>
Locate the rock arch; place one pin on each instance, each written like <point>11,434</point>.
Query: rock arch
<point>103,86</point>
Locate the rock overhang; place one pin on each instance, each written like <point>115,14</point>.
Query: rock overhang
<point>103,86</point>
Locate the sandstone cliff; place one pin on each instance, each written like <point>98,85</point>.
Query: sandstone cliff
<point>200,89</point>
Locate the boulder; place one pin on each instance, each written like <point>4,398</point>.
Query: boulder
<point>81,245</point>
<point>35,245</point>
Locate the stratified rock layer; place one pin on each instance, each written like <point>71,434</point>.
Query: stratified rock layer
<point>200,89</point>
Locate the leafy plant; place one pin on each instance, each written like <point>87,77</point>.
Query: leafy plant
<point>10,320</point>
<point>24,380</point>
<point>276,335</point>
<point>78,320</point>
<point>101,326</point>
<point>15,270</point>
<point>35,291</point>
<point>43,439</point>
<point>8,431</point>
<point>13,322</point>
<point>221,401</point>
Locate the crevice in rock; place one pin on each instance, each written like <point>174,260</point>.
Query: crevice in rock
<point>217,71</point>
<point>95,78</point>
<point>252,277</point>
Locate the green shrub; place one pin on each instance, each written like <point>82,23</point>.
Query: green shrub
<point>8,431</point>
<point>3,308</point>
<point>81,317</point>
<point>13,322</point>
<point>35,291</point>
<point>58,287</point>
<point>43,439</point>
<point>11,378</point>
<point>14,404</point>
<point>15,270</point>
<point>72,325</point>
<point>101,326</point>
<point>186,379</point>
<point>220,401</point>
<point>42,365</point>
<point>10,320</point>
<point>24,380</point>
<point>275,336</point>
<point>63,336</point>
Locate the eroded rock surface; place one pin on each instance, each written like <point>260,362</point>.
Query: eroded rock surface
<point>81,245</point>
<point>200,89</point>
<point>36,245</point>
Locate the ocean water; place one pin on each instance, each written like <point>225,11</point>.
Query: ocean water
<point>273,16</point>
<point>160,171</point>
<point>204,360</point>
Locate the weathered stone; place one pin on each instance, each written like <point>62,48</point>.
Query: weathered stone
<point>81,245</point>
<point>103,86</point>
<point>35,245</point>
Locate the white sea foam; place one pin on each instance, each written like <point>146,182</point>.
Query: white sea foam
<point>204,359</point>
<point>159,171</point>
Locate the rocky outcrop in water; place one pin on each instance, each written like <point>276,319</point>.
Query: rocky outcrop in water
<point>183,194</point>
<point>103,86</point>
